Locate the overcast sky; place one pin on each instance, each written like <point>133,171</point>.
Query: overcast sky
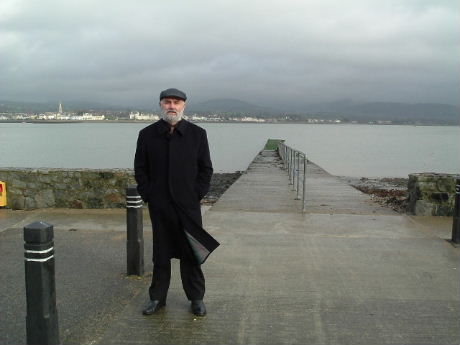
<point>260,51</point>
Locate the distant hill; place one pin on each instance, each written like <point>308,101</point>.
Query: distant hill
<point>426,113</point>
<point>25,107</point>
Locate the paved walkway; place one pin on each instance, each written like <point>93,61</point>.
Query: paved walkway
<point>283,277</point>
<point>345,272</point>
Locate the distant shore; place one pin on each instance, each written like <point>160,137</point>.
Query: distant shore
<point>239,122</point>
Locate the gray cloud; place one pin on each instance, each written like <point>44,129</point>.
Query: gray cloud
<point>271,52</point>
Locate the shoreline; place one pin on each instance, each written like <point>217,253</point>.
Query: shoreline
<point>238,122</point>
<point>387,191</point>
<point>220,182</point>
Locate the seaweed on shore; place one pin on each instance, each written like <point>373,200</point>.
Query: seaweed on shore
<point>387,191</point>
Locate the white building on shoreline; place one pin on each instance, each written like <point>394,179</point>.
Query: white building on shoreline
<point>137,116</point>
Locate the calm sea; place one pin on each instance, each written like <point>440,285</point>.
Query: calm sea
<point>347,150</point>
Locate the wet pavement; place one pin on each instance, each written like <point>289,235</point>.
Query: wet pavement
<point>347,271</point>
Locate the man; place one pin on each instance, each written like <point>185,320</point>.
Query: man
<point>173,170</point>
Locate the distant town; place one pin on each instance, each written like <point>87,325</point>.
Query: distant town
<point>378,113</point>
<point>137,116</point>
<point>61,115</point>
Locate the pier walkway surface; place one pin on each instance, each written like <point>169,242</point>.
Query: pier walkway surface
<point>347,271</point>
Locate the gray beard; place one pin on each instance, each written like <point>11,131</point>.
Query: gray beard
<point>172,118</point>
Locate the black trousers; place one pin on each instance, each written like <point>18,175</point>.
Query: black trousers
<point>169,241</point>
<point>192,281</point>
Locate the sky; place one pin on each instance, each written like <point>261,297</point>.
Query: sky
<point>264,52</point>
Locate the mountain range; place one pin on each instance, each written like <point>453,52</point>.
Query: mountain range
<point>427,113</point>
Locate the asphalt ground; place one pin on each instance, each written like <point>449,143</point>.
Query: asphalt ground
<point>91,283</point>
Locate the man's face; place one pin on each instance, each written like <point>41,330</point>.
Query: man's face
<point>173,109</point>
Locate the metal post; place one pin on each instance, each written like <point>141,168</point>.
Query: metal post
<point>135,233</point>
<point>304,194</point>
<point>456,222</point>
<point>41,320</point>
<point>298,176</point>
<point>294,170</point>
<point>290,166</point>
<point>288,160</point>
<point>285,156</point>
<point>282,150</point>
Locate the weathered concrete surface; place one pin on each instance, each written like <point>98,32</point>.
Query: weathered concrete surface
<point>279,276</point>
<point>328,194</point>
<point>264,188</point>
<point>283,277</point>
<point>441,226</point>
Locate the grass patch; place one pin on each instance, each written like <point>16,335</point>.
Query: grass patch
<point>272,144</point>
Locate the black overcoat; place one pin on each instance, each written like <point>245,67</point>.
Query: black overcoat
<point>176,169</point>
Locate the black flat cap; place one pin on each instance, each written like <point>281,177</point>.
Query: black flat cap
<point>173,93</point>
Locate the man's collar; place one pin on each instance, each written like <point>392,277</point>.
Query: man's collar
<point>180,127</point>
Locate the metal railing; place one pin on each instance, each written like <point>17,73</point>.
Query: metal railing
<point>295,162</point>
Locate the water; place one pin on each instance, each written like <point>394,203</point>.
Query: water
<point>348,150</point>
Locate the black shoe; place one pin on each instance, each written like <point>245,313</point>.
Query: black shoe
<point>198,308</point>
<point>153,307</point>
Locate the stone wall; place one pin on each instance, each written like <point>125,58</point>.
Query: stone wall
<point>69,188</point>
<point>431,194</point>
<point>81,188</point>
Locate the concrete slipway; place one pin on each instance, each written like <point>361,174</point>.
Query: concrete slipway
<point>347,271</point>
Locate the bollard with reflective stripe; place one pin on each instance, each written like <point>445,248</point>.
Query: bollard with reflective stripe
<point>41,320</point>
<point>456,222</point>
<point>135,234</point>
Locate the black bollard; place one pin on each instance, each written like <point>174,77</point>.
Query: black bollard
<point>456,223</point>
<point>135,235</point>
<point>41,320</point>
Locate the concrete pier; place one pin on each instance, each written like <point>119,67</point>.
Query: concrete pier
<point>347,271</point>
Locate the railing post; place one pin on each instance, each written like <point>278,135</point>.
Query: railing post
<point>41,320</point>
<point>294,171</point>
<point>456,222</point>
<point>286,158</point>
<point>135,233</point>
<point>304,194</point>
<point>290,166</point>
<point>298,176</point>
<point>292,160</point>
